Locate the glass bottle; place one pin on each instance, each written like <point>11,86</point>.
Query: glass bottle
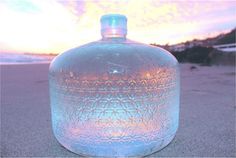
<point>114,97</point>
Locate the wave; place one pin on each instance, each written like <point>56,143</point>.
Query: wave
<point>11,58</point>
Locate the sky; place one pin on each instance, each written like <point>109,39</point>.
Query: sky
<point>54,26</point>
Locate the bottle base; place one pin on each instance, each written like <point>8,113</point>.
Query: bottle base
<point>116,150</point>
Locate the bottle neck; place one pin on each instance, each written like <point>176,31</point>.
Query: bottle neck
<point>113,33</point>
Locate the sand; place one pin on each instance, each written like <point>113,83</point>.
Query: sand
<point>207,114</point>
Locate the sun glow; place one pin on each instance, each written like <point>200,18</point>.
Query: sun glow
<point>51,26</point>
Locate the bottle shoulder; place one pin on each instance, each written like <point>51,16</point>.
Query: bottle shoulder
<point>104,53</point>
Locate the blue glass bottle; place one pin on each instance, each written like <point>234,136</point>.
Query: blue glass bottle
<point>114,97</point>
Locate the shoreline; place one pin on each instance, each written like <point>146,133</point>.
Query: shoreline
<point>25,63</point>
<point>48,62</point>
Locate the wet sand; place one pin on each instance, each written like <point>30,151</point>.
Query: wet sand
<point>207,114</point>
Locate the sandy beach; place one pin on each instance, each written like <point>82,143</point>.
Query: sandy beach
<point>207,113</point>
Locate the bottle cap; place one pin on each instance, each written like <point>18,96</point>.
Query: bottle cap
<point>113,25</point>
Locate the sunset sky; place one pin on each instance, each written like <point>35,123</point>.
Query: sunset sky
<point>50,26</point>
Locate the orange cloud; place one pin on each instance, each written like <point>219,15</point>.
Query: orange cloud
<point>50,26</point>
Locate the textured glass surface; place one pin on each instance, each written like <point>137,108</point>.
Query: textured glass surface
<point>114,97</point>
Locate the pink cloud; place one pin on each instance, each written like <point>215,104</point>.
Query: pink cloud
<point>52,26</point>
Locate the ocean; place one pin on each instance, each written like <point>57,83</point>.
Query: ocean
<point>17,58</point>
